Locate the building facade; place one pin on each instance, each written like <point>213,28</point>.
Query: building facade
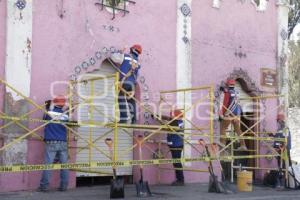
<point>186,43</point>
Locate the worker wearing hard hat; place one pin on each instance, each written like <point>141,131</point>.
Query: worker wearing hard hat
<point>230,112</point>
<point>175,141</point>
<point>128,69</point>
<point>55,137</point>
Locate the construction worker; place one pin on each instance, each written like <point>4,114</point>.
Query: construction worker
<point>128,69</point>
<point>175,143</point>
<point>230,112</point>
<point>282,148</point>
<point>55,137</point>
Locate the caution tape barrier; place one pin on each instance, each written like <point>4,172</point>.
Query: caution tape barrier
<point>128,163</point>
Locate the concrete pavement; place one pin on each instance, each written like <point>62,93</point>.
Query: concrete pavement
<point>188,192</point>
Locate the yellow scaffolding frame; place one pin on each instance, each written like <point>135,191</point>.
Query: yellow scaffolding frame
<point>153,129</point>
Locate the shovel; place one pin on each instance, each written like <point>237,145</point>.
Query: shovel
<point>229,189</point>
<point>117,183</point>
<point>142,187</point>
<point>214,185</point>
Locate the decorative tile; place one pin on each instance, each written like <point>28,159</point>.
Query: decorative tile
<point>185,39</point>
<point>284,34</point>
<point>21,4</point>
<point>185,10</point>
<point>142,79</point>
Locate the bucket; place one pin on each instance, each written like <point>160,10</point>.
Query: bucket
<point>244,181</point>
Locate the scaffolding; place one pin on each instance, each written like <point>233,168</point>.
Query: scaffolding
<point>193,131</point>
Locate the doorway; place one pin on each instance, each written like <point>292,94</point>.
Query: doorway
<point>101,109</point>
<point>248,119</point>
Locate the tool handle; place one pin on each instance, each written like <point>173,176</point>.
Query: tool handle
<point>139,140</point>
<point>114,173</point>
<point>109,143</point>
<point>215,149</point>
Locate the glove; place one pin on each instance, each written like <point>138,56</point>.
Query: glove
<point>222,88</point>
<point>47,105</point>
<point>221,117</point>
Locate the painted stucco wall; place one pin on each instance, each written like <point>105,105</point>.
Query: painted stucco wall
<point>63,46</point>
<point>220,34</point>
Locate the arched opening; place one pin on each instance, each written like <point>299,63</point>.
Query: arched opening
<point>249,124</point>
<point>101,84</point>
<point>249,118</point>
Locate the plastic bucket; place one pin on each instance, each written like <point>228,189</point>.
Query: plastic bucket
<point>244,181</point>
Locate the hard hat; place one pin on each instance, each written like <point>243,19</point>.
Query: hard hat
<point>280,117</point>
<point>59,100</point>
<point>137,48</point>
<point>230,82</point>
<point>176,113</point>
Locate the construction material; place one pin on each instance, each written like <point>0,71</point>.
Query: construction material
<point>244,181</point>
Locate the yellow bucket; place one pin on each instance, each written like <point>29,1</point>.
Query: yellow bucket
<point>244,181</point>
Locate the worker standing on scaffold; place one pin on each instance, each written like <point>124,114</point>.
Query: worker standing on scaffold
<point>230,112</point>
<point>175,143</point>
<point>128,69</point>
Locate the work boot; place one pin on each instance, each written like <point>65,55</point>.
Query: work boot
<point>178,183</point>
<point>62,189</point>
<point>42,189</point>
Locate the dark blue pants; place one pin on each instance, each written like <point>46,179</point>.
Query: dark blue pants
<point>131,104</point>
<point>176,154</point>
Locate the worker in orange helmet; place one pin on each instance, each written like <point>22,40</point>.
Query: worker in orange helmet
<point>175,141</point>
<point>55,138</point>
<point>230,112</point>
<point>128,67</point>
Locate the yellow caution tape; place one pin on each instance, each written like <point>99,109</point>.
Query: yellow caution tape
<point>128,163</point>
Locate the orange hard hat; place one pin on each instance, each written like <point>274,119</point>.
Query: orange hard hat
<point>137,48</point>
<point>230,82</point>
<point>280,117</point>
<point>59,100</point>
<point>176,113</point>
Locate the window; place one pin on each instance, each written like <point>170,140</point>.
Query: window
<point>261,5</point>
<point>114,3</point>
<point>115,6</point>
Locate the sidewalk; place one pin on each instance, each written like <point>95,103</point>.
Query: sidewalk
<point>188,192</point>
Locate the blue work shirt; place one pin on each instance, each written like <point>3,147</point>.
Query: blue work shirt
<point>174,140</point>
<point>231,102</point>
<point>126,66</point>
<point>54,131</point>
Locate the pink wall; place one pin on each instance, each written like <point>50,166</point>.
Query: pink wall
<point>217,34</point>
<point>69,42</point>
<point>61,44</point>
